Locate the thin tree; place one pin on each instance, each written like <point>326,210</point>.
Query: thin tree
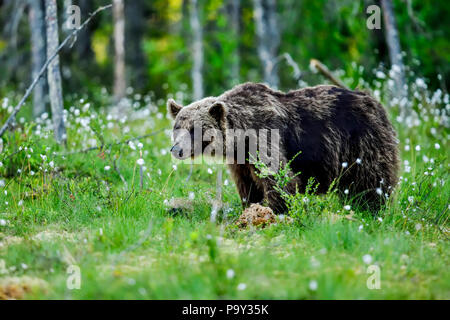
<point>36,16</point>
<point>54,73</point>
<point>266,26</point>
<point>83,47</point>
<point>234,9</point>
<point>134,33</point>
<point>395,53</point>
<point>197,51</point>
<point>119,50</point>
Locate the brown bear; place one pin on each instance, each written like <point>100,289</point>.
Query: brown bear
<point>334,135</point>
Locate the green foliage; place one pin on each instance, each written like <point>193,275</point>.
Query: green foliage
<point>63,206</point>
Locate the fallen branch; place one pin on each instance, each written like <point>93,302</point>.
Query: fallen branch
<point>12,117</point>
<point>324,71</point>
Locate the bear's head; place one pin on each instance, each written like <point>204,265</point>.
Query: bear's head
<point>198,127</point>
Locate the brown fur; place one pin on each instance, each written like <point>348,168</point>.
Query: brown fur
<point>329,125</point>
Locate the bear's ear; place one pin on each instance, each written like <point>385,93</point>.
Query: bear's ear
<point>217,111</point>
<point>173,108</point>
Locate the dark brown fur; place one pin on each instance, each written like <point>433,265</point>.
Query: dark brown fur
<point>329,125</point>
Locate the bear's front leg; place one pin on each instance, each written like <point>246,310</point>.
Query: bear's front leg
<point>274,198</point>
<point>248,190</point>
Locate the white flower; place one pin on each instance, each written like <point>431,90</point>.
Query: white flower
<point>2,183</point>
<point>347,207</point>
<point>140,162</point>
<point>241,286</point>
<point>358,161</point>
<point>1,164</point>
<point>410,199</point>
<point>2,222</point>
<point>379,191</point>
<point>420,83</point>
<point>418,226</point>
<point>140,145</point>
<point>107,168</point>
<point>225,183</point>
<point>367,258</point>
<point>407,148</point>
<point>24,266</point>
<point>230,273</point>
<point>346,191</point>
<point>131,145</point>
<point>174,167</point>
<point>418,148</point>
<point>380,75</point>
<point>191,195</point>
<point>437,146</point>
<point>344,164</point>
<point>313,285</point>
<point>210,171</point>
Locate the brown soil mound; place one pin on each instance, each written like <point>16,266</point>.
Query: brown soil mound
<point>256,215</point>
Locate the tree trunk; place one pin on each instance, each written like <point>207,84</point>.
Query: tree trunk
<point>53,72</point>
<point>135,59</point>
<point>234,18</point>
<point>197,51</point>
<point>83,47</point>
<point>119,50</point>
<point>264,12</point>
<point>66,4</point>
<point>36,17</point>
<point>395,54</point>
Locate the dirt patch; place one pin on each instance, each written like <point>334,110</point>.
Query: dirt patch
<point>6,241</point>
<point>51,235</point>
<point>179,206</point>
<point>14,288</point>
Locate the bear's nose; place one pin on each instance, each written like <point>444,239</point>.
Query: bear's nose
<point>176,150</point>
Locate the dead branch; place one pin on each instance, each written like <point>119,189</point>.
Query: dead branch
<point>12,117</point>
<point>326,72</point>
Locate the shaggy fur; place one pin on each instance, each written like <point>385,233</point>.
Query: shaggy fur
<point>329,125</point>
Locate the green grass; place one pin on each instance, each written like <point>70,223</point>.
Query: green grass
<point>129,246</point>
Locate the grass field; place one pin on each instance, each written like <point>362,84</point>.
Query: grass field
<point>64,214</point>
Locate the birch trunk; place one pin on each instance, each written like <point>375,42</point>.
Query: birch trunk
<point>264,13</point>
<point>119,50</point>
<point>197,52</point>
<point>53,72</point>
<point>395,53</point>
<point>36,18</point>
